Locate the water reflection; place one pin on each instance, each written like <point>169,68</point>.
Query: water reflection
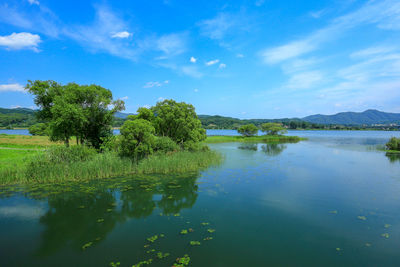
<point>273,149</point>
<point>247,146</point>
<point>82,213</point>
<point>393,157</point>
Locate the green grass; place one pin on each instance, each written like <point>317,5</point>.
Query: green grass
<point>106,165</point>
<point>260,138</point>
<point>392,151</point>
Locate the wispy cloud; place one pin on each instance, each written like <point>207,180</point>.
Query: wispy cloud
<point>304,80</point>
<point>152,84</point>
<point>193,59</point>
<point>12,87</point>
<point>216,28</point>
<point>23,40</point>
<point>212,62</point>
<point>191,71</point>
<point>222,66</point>
<point>384,14</point>
<point>121,35</point>
<point>33,2</point>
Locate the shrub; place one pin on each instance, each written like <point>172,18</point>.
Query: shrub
<point>393,144</point>
<point>137,139</point>
<point>165,144</point>
<point>195,146</point>
<point>272,128</point>
<point>248,130</point>
<point>61,154</point>
<point>40,129</point>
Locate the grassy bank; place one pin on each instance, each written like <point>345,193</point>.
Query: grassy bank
<point>106,165</point>
<point>260,138</point>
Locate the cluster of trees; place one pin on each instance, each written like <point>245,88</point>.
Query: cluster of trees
<point>18,117</point>
<point>269,128</point>
<point>166,127</point>
<point>73,110</point>
<point>393,144</point>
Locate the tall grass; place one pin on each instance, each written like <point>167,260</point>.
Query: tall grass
<point>107,165</point>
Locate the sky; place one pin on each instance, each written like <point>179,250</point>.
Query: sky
<point>243,59</point>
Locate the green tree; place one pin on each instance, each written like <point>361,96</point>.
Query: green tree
<point>178,121</point>
<point>272,128</point>
<point>393,144</point>
<point>41,129</point>
<point>137,138</point>
<point>75,110</point>
<point>248,130</point>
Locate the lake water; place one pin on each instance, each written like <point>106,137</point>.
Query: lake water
<point>333,200</point>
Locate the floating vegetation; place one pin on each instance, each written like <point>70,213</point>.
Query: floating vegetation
<point>177,214</point>
<point>386,235</point>
<point>211,230</point>
<point>208,238</point>
<point>183,261</point>
<point>387,225</point>
<point>338,249</point>
<point>184,232</point>
<point>333,211</point>
<point>115,264</point>
<point>88,244</point>
<point>195,243</point>
<point>152,238</point>
<point>205,223</point>
<point>190,230</point>
<point>160,255</point>
<point>367,244</point>
<point>363,218</point>
<point>81,207</point>
<point>109,210</point>
<point>150,251</point>
<point>146,246</point>
<point>149,261</point>
<point>100,220</point>
<point>162,235</point>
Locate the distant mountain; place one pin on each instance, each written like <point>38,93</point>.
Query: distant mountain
<point>370,116</point>
<point>122,115</point>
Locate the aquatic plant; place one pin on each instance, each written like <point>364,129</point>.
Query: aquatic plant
<point>152,238</point>
<point>211,230</point>
<point>387,225</point>
<point>100,220</point>
<point>338,249</point>
<point>363,218</point>
<point>195,243</point>
<point>147,262</point>
<point>205,223</point>
<point>88,244</point>
<point>367,244</point>
<point>386,235</point>
<point>333,211</point>
<point>184,232</point>
<point>208,238</point>
<point>115,264</point>
<point>183,261</point>
<point>160,255</point>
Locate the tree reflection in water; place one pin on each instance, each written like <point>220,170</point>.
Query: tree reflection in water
<point>273,149</point>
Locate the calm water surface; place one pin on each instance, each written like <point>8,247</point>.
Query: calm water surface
<point>333,200</point>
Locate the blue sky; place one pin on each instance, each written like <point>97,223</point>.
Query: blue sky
<point>245,59</point>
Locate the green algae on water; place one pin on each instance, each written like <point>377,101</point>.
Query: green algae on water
<point>152,238</point>
<point>88,244</point>
<point>211,230</point>
<point>195,243</point>
<point>183,261</point>
<point>184,232</point>
<point>363,218</point>
<point>386,235</point>
<point>149,261</point>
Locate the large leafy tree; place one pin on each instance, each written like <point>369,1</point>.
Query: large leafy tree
<point>137,138</point>
<point>272,128</point>
<point>75,110</point>
<point>248,130</point>
<point>178,121</point>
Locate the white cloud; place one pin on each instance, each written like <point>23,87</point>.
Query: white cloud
<point>23,40</point>
<point>304,80</point>
<point>193,59</point>
<point>222,66</point>
<point>259,2</point>
<point>240,55</point>
<point>191,71</point>
<point>216,28</point>
<point>160,99</point>
<point>166,82</point>
<point>33,2</point>
<point>124,98</point>
<point>318,14</point>
<point>121,35</point>
<point>212,62</point>
<point>172,44</point>
<point>152,84</point>
<point>383,14</point>
<point>196,90</point>
<point>12,87</point>
<point>371,51</point>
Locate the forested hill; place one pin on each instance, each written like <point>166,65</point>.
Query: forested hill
<point>24,117</point>
<point>367,117</point>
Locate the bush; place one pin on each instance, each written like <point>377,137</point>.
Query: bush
<point>195,146</point>
<point>273,128</point>
<point>248,130</point>
<point>165,144</point>
<point>393,144</point>
<point>137,139</point>
<point>40,129</point>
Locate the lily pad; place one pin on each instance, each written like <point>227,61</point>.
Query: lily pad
<point>88,244</point>
<point>100,220</point>
<point>152,238</point>
<point>184,232</point>
<point>195,243</point>
<point>386,235</point>
<point>333,211</point>
<point>211,230</point>
<point>363,218</point>
<point>387,225</point>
